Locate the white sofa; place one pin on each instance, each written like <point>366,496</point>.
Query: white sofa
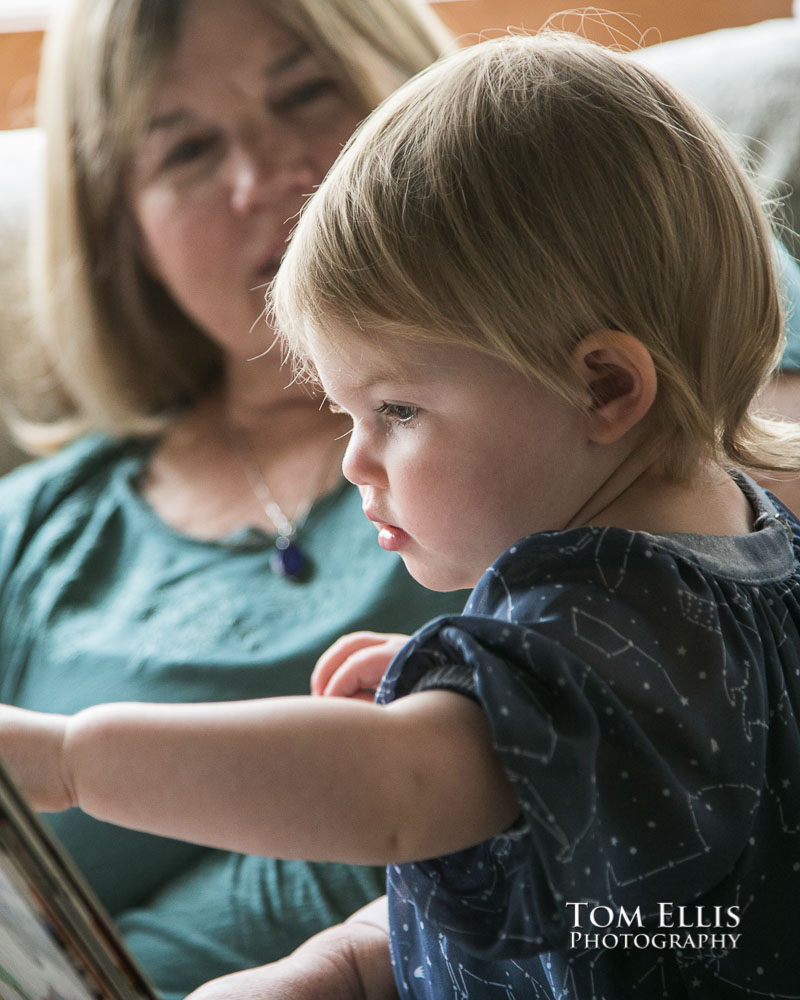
<point>749,78</point>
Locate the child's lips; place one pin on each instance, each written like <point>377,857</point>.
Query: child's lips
<point>390,537</point>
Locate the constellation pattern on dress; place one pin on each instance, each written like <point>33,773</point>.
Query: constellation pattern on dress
<point>649,729</point>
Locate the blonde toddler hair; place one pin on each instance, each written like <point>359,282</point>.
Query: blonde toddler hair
<point>530,190</point>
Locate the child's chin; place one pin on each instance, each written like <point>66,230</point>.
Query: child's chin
<point>436,577</point>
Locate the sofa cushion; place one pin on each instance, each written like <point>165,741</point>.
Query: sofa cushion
<point>749,79</point>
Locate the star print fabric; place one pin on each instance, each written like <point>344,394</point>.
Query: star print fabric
<point>643,693</point>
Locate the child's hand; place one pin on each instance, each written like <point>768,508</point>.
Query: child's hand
<point>354,665</point>
<point>31,748</point>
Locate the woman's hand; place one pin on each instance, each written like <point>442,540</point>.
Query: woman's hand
<point>354,665</point>
<point>347,962</point>
<point>32,750</point>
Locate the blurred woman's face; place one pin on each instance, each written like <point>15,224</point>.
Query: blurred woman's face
<point>243,123</point>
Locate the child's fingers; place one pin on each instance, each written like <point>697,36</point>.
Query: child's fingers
<point>360,673</point>
<point>352,680</point>
<point>337,654</point>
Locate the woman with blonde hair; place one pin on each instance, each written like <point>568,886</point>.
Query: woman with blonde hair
<point>192,538</point>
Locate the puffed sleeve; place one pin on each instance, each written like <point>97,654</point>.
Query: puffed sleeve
<point>624,778</point>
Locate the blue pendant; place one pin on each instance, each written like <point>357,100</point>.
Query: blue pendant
<point>290,561</point>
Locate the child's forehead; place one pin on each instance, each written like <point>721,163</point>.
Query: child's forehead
<point>352,367</point>
<point>367,358</point>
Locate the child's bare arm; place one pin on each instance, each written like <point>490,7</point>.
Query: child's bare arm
<point>31,748</point>
<point>322,779</point>
<point>347,962</point>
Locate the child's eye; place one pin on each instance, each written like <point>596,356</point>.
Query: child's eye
<point>398,413</point>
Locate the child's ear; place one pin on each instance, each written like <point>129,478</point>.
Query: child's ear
<point>619,382</point>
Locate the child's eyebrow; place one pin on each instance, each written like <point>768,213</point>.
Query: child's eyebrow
<point>396,380</point>
<point>393,377</point>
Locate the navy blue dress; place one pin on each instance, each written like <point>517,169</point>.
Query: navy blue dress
<point>643,693</point>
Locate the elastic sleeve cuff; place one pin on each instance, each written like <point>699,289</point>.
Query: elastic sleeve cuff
<point>452,677</point>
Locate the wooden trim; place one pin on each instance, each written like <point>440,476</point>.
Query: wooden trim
<point>19,64</point>
<point>653,21</point>
<point>645,21</point>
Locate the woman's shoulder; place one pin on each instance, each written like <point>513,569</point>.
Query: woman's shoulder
<point>36,487</point>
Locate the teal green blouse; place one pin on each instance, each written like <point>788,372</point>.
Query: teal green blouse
<point>101,601</point>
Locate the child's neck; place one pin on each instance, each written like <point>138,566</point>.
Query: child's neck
<point>710,504</point>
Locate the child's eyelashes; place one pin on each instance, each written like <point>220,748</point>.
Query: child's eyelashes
<point>399,414</point>
<point>392,414</point>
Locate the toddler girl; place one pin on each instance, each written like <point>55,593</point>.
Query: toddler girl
<point>542,288</point>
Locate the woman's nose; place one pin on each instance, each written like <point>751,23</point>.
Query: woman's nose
<point>267,171</point>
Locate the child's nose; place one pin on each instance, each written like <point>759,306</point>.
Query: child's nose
<point>360,463</point>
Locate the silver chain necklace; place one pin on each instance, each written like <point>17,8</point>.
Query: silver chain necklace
<point>289,559</point>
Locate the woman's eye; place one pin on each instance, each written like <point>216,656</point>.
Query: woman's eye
<point>187,151</point>
<point>399,413</point>
<point>306,93</point>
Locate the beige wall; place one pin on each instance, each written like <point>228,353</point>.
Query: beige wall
<point>655,20</point>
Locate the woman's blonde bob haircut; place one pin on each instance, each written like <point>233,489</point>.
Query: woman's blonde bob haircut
<point>528,191</point>
<point>122,355</point>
